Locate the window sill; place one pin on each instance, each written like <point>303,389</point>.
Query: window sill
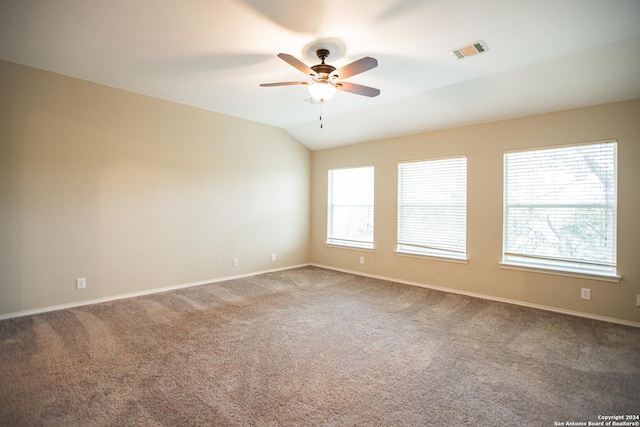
<point>365,248</point>
<point>433,257</point>
<point>592,276</point>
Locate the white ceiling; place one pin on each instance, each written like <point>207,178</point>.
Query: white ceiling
<point>544,55</point>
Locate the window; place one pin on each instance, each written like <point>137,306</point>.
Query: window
<point>432,208</point>
<point>560,208</point>
<point>350,207</point>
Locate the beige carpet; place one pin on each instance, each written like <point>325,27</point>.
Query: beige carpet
<point>310,346</point>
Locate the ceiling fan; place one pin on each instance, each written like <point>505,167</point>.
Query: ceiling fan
<point>325,78</point>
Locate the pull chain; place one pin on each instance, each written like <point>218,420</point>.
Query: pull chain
<point>321,102</point>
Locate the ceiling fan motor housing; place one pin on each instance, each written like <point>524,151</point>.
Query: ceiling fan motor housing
<point>323,69</point>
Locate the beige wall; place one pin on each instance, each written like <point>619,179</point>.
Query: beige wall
<point>484,146</point>
<point>136,193</point>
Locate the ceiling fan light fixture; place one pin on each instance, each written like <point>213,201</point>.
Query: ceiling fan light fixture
<point>322,90</point>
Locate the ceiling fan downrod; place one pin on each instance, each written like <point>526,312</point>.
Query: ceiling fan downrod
<point>323,71</point>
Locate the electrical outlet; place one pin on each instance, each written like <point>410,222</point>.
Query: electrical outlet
<point>81,283</point>
<point>273,256</point>
<point>235,262</point>
<point>638,300</point>
<point>361,260</point>
<point>585,293</point>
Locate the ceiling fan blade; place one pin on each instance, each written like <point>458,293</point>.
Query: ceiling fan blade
<point>283,84</point>
<point>357,89</point>
<point>295,62</point>
<point>356,67</point>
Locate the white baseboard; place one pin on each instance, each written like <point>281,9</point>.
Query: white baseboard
<point>359,273</point>
<point>140,293</point>
<point>486,297</point>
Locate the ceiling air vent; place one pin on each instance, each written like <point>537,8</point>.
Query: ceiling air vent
<point>472,49</point>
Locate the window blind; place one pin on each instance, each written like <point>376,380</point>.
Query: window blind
<point>560,208</point>
<point>432,207</point>
<point>350,206</point>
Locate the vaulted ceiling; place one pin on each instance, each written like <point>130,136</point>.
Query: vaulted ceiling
<point>543,56</point>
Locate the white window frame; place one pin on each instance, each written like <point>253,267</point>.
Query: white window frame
<point>360,199</point>
<point>574,200</point>
<point>437,193</point>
